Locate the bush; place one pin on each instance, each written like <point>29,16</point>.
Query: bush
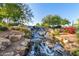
<point>70,29</point>
<point>13,24</point>
<point>57,31</point>
<point>3,28</point>
<point>76,52</point>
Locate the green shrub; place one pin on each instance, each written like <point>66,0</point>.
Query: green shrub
<point>3,26</point>
<point>13,24</point>
<point>76,52</point>
<point>56,31</point>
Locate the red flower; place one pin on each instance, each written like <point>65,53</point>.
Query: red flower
<point>70,29</point>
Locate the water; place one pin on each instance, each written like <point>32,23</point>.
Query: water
<point>40,48</point>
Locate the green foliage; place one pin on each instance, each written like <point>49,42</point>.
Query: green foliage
<point>77,29</point>
<point>1,31</point>
<point>64,22</point>
<point>3,26</point>
<point>42,25</point>
<point>77,34</point>
<point>38,25</point>
<point>15,12</point>
<point>57,31</point>
<point>76,52</point>
<point>45,25</point>
<point>53,20</point>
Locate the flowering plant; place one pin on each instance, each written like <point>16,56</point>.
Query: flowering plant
<point>70,29</point>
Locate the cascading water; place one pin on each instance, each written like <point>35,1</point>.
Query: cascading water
<point>40,48</point>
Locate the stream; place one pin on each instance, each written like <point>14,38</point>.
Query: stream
<point>40,48</point>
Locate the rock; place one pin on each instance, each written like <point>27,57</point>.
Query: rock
<point>48,36</point>
<point>20,50</point>
<point>25,42</point>
<point>17,55</point>
<point>11,53</point>
<point>49,44</point>
<point>67,47</point>
<point>2,47</point>
<point>71,41</point>
<point>13,43</point>
<point>75,45</point>
<point>41,33</point>
<point>15,38</point>
<point>4,43</point>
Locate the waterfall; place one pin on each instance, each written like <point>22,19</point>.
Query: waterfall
<point>40,48</point>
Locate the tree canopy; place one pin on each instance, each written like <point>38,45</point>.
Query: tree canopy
<point>64,22</point>
<point>15,12</point>
<point>53,20</point>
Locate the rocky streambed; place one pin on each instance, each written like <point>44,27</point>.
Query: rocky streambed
<point>13,43</point>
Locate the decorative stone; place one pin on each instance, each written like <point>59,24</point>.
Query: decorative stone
<point>4,43</point>
<point>20,50</point>
<point>11,53</point>
<point>41,33</point>
<point>17,55</point>
<point>24,43</point>
<point>47,36</point>
<point>15,38</point>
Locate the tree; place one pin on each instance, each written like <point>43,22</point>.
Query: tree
<point>52,20</point>
<point>65,22</point>
<point>38,24</point>
<point>45,25</point>
<point>15,12</point>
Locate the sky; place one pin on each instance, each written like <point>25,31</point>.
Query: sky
<point>64,10</point>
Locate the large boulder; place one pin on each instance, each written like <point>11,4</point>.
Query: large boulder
<point>15,38</point>
<point>13,43</point>
<point>20,50</point>
<point>48,36</point>
<point>4,43</point>
<point>10,53</point>
<point>42,33</point>
<point>25,42</point>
